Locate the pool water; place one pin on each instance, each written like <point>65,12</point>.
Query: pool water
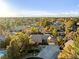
<point>2,53</point>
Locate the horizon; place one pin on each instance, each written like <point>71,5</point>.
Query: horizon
<point>34,8</point>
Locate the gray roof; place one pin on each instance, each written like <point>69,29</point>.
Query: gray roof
<point>39,37</point>
<point>50,52</point>
<point>18,28</point>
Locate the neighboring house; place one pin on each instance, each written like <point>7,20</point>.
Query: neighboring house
<point>45,36</point>
<point>49,52</point>
<point>39,37</point>
<point>61,33</point>
<point>57,24</point>
<point>36,37</point>
<point>51,40</point>
<point>69,43</point>
<point>17,29</point>
<point>70,36</point>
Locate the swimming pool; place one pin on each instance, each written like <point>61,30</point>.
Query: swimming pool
<point>2,53</point>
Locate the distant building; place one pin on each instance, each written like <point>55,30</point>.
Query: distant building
<point>58,24</point>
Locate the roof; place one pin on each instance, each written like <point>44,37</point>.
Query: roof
<point>36,38</point>
<point>69,42</point>
<point>39,37</point>
<point>57,24</point>
<point>49,52</point>
<point>18,28</point>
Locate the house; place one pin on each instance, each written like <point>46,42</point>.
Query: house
<point>61,33</point>
<point>69,43</point>
<point>39,38</point>
<point>17,29</point>
<point>58,24</point>
<point>70,36</point>
<point>45,36</point>
<point>36,37</point>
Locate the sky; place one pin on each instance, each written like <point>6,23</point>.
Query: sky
<point>33,8</point>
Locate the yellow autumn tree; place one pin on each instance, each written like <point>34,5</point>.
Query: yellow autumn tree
<point>18,46</point>
<point>67,53</point>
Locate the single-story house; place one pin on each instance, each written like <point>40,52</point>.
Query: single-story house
<point>17,29</point>
<point>39,37</point>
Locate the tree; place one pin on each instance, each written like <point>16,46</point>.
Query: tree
<point>71,49</point>
<point>68,25</point>
<point>18,46</point>
<point>48,29</point>
<point>44,22</point>
<point>54,32</point>
<point>34,30</point>
<point>60,41</point>
<point>76,44</point>
<point>67,53</point>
